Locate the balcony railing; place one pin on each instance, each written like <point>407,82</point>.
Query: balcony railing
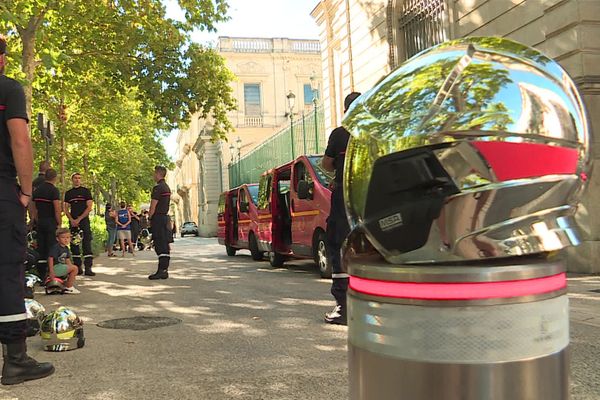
<point>268,45</point>
<point>253,121</point>
<point>305,46</point>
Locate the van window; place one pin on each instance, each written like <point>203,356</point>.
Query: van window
<point>242,196</point>
<point>284,186</point>
<point>301,173</point>
<point>323,176</point>
<point>253,193</point>
<point>221,209</point>
<point>264,191</point>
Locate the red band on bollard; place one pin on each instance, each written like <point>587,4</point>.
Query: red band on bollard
<point>460,290</point>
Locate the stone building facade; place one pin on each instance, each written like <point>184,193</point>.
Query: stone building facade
<point>266,70</point>
<point>363,41</point>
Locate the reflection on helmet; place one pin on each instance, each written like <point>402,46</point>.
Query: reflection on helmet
<point>32,239</point>
<point>35,314</point>
<point>31,259</point>
<point>55,286</point>
<point>62,330</point>
<point>76,236</point>
<point>474,149</point>
<point>30,281</point>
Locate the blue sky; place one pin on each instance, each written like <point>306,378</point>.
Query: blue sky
<point>255,18</point>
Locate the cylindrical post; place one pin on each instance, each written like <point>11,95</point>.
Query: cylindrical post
<point>292,136</point>
<point>316,129</point>
<point>304,132</point>
<point>458,332</point>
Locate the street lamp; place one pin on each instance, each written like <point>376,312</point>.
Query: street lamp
<point>238,145</point>
<point>291,99</point>
<point>46,130</point>
<point>314,86</point>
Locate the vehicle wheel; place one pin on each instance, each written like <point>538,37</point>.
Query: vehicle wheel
<point>257,255</point>
<point>276,260</point>
<point>197,234</point>
<point>230,250</point>
<point>320,255</point>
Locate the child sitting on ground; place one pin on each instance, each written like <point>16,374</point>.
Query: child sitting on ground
<point>59,260</point>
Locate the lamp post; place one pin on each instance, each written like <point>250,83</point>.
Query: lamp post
<point>238,146</point>
<point>314,86</point>
<point>291,99</point>
<point>231,170</point>
<point>46,130</point>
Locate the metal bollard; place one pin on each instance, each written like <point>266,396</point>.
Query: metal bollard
<point>458,333</point>
<point>462,178</point>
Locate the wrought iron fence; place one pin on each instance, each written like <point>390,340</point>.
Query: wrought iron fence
<point>305,135</point>
<point>422,25</point>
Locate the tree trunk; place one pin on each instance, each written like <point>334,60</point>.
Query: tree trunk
<point>62,160</point>
<point>28,62</point>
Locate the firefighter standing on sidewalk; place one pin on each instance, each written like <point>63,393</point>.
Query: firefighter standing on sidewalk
<point>78,204</point>
<point>160,224</point>
<point>16,159</point>
<point>337,223</point>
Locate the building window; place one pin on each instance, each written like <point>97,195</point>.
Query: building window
<point>252,98</point>
<point>421,25</point>
<point>309,95</point>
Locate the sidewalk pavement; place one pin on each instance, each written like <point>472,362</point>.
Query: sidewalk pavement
<point>584,295</point>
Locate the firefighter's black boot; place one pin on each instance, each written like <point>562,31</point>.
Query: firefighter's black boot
<point>160,274</point>
<point>19,367</point>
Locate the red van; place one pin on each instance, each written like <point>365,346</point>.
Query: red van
<point>293,206</point>
<point>237,220</point>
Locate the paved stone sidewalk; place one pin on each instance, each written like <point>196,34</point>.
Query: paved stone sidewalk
<point>247,332</point>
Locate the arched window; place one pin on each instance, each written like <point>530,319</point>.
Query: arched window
<point>420,25</point>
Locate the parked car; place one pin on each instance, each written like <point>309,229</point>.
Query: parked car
<point>292,209</point>
<point>237,220</point>
<point>189,228</point>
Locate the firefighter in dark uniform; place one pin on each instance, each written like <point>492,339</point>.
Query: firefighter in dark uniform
<point>160,224</point>
<point>78,204</point>
<point>16,159</point>
<point>47,216</point>
<point>337,223</point>
<point>41,178</point>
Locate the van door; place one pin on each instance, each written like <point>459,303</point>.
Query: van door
<point>243,216</point>
<point>263,209</point>
<point>221,223</point>
<point>233,232</point>
<point>304,212</point>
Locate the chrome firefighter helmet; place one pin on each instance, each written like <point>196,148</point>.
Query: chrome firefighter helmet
<point>76,236</point>
<point>55,285</point>
<point>62,330</point>
<point>30,282</point>
<point>478,148</point>
<point>35,315</point>
<point>32,239</point>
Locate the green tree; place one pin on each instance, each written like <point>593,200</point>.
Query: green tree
<point>113,75</point>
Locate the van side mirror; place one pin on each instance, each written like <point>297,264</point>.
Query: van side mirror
<point>244,206</point>
<point>304,190</point>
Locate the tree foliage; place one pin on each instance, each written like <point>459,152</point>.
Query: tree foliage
<point>120,73</point>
